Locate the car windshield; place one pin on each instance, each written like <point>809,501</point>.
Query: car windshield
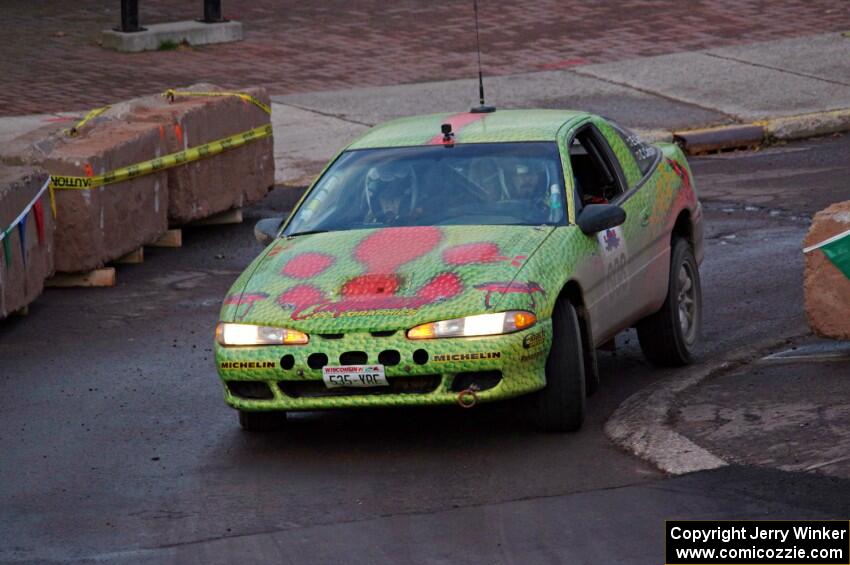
<point>482,183</point>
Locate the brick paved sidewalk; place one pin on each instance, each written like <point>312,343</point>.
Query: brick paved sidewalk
<point>51,60</point>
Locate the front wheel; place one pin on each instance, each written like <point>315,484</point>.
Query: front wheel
<point>668,337</point>
<point>560,406</point>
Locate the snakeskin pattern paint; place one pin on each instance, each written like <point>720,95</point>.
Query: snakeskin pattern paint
<point>361,290</point>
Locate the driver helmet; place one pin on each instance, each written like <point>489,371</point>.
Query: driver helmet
<point>529,178</point>
<point>390,189</point>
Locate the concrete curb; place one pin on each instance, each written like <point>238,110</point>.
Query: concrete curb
<point>701,141</point>
<point>655,135</point>
<point>807,125</point>
<point>641,424</point>
<point>754,134</point>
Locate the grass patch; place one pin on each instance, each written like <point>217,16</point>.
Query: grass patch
<point>169,45</point>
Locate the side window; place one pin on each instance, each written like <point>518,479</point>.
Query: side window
<point>644,153</point>
<point>596,176</point>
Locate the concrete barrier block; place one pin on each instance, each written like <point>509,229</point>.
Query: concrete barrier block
<point>826,289</point>
<point>22,281</point>
<point>33,146</point>
<point>94,227</point>
<point>232,179</point>
<point>100,225</point>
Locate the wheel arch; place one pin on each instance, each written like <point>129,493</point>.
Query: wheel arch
<point>688,226</point>
<point>683,227</point>
<point>573,293</point>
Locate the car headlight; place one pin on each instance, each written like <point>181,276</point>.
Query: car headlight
<point>247,334</point>
<point>471,326</point>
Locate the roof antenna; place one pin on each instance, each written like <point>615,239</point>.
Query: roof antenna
<point>481,108</point>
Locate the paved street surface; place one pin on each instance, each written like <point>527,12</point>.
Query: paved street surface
<point>790,410</point>
<point>117,446</point>
<point>52,61</point>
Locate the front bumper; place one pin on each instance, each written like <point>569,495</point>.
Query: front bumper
<point>510,365</point>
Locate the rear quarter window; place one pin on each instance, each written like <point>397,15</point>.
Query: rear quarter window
<point>644,153</point>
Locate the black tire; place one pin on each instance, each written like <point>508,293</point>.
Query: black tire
<point>262,421</point>
<point>560,406</point>
<point>591,367</point>
<point>664,339</point>
<point>591,372</point>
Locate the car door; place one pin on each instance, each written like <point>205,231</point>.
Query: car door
<point>648,249</point>
<point>596,177</point>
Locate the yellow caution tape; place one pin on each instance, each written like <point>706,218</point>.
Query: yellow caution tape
<point>90,116</point>
<point>61,182</point>
<point>171,94</point>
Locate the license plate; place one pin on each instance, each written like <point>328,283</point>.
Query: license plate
<point>354,376</point>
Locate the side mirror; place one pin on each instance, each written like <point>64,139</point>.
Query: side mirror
<point>597,217</point>
<point>265,231</point>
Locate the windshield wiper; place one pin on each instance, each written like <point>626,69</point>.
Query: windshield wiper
<point>310,232</point>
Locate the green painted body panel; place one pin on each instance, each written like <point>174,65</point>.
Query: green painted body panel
<point>386,279</point>
<point>522,368</point>
<point>624,156</point>
<point>500,126</point>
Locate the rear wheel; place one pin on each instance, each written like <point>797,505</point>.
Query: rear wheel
<point>560,406</point>
<point>262,421</point>
<point>668,337</point>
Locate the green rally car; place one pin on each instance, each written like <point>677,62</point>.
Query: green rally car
<point>467,258</point>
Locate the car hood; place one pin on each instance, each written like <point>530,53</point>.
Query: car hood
<point>385,279</point>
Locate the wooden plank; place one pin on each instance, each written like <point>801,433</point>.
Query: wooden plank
<point>233,216</point>
<point>171,238</point>
<point>132,258</point>
<point>95,278</point>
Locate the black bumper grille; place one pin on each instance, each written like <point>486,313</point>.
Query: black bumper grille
<point>250,390</point>
<point>479,380</point>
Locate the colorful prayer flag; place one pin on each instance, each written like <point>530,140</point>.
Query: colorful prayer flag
<point>39,221</point>
<point>7,249</point>
<point>22,235</point>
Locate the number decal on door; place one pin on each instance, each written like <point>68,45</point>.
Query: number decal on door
<point>613,249</point>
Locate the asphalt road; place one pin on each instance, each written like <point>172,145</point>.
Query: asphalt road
<point>117,447</point>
